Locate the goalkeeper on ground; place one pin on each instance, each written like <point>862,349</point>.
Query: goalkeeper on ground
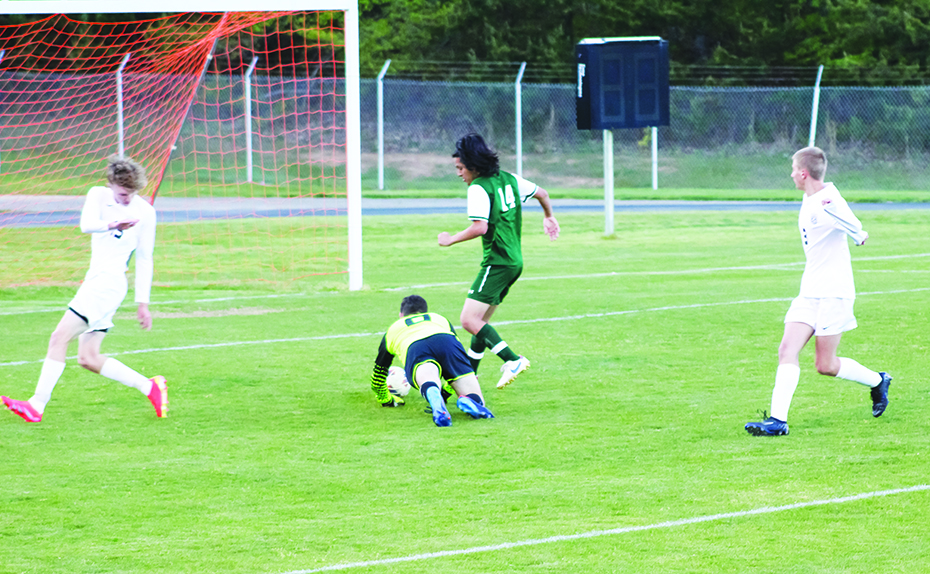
<point>430,352</point>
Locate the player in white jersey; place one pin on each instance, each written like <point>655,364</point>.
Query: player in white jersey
<point>121,224</point>
<point>824,307</point>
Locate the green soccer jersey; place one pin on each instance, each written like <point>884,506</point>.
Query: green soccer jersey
<point>497,199</point>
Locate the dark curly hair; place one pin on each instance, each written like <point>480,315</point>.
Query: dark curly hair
<point>476,155</point>
<point>125,173</point>
<point>413,304</point>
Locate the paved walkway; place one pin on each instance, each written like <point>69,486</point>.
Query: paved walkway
<point>56,210</point>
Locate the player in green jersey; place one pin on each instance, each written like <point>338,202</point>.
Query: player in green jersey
<point>494,208</point>
<point>430,352</point>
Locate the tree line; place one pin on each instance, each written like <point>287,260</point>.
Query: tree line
<point>870,41</point>
<point>875,41</point>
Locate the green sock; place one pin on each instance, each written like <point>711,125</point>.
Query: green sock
<point>493,341</point>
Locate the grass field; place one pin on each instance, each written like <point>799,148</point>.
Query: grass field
<point>752,174</point>
<point>621,450</point>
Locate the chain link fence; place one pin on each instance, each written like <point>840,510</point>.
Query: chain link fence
<point>719,137</point>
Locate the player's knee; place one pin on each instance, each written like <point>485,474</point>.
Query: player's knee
<point>470,323</point>
<point>827,366</point>
<point>786,353</point>
<point>90,360</point>
<point>58,339</point>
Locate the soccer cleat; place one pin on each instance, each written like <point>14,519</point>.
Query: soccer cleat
<point>23,409</point>
<point>473,409</point>
<point>511,369</point>
<point>880,395</point>
<point>769,427</point>
<point>159,396</point>
<point>441,415</point>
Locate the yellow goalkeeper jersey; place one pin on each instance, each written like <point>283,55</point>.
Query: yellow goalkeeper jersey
<point>412,328</point>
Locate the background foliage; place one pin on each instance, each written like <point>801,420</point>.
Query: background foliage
<point>879,41</point>
<point>884,42</point>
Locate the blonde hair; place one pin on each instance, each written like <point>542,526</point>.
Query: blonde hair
<point>813,160</point>
<point>125,173</point>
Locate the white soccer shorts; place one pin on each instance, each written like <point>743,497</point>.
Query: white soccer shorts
<point>827,316</point>
<point>98,299</point>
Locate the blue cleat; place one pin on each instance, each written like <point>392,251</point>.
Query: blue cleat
<point>441,415</point>
<point>473,409</point>
<point>880,395</point>
<point>769,427</point>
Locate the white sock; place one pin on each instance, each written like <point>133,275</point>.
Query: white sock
<point>786,381</point>
<point>113,369</point>
<point>853,371</point>
<point>48,378</point>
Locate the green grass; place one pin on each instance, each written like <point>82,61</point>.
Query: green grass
<point>669,194</point>
<point>750,173</point>
<point>725,174</point>
<point>650,351</point>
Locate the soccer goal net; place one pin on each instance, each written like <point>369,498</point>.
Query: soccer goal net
<point>243,120</point>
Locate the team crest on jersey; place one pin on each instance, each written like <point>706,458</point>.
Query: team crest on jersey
<point>813,220</point>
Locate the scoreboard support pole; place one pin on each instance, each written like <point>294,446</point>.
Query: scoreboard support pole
<point>655,157</point>
<point>608,182</point>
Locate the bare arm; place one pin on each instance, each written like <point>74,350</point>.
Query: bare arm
<point>477,228</point>
<point>550,225</point>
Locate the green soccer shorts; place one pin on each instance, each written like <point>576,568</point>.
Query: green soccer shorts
<point>493,283</point>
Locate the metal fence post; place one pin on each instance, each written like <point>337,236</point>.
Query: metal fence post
<point>119,105</point>
<point>248,120</point>
<point>815,106</point>
<point>381,74</point>
<point>518,107</point>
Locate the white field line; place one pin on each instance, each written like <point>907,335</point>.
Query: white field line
<point>216,346</point>
<point>892,271</point>
<point>588,276</point>
<point>779,266</point>
<point>513,322</point>
<point>61,308</point>
<point>614,531</point>
<point>775,266</point>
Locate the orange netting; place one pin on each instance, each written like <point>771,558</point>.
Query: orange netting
<point>238,118</point>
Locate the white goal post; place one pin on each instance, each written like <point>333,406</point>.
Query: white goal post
<point>352,99</point>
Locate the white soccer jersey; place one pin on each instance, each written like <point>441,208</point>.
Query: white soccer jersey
<point>111,249</point>
<point>828,270</point>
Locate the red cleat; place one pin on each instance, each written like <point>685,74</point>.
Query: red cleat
<point>159,396</point>
<point>23,409</point>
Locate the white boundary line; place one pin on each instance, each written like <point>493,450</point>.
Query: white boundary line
<point>614,531</point>
<point>514,322</point>
<point>774,266</point>
<point>62,308</point>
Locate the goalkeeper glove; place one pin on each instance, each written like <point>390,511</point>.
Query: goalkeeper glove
<point>394,402</point>
<point>380,388</point>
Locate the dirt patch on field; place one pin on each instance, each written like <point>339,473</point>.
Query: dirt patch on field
<point>414,165</point>
<point>203,314</point>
